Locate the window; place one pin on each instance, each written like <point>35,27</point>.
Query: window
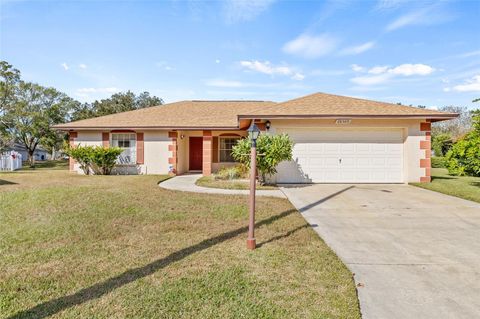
<point>225,149</point>
<point>127,142</point>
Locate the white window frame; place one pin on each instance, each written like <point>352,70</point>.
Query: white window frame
<point>127,151</point>
<point>220,149</point>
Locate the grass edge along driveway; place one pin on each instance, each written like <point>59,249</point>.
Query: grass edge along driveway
<point>465,187</point>
<point>119,246</point>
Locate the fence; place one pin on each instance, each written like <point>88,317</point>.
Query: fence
<point>10,161</point>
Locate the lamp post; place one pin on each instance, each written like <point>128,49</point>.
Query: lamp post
<point>253,133</point>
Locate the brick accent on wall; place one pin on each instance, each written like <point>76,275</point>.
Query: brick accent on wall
<point>426,146</point>
<point>140,148</point>
<point>106,139</point>
<point>173,148</point>
<point>207,153</point>
<point>215,149</point>
<point>71,139</point>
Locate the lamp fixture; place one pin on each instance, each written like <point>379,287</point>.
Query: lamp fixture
<point>268,125</point>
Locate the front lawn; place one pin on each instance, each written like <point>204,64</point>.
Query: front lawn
<point>461,186</point>
<point>210,181</point>
<point>121,247</point>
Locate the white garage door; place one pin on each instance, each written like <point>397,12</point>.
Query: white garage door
<point>344,156</point>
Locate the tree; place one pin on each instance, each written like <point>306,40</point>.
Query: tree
<point>456,127</point>
<point>9,78</point>
<point>441,144</point>
<point>464,156</point>
<point>118,102</point>
<point>35,109</point>
<point>271,150</point>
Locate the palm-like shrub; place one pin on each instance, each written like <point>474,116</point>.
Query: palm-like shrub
<point>271,151</point>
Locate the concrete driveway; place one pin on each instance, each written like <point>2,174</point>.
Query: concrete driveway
<point>414,253</point>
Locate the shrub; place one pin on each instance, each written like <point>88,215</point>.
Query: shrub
<point>438,162</point>
<point>104,159</point>
<point>271,150</point>
<point>441,144</point>
<point>82,154</point>
<point>227,173</point>
<point>96,159</point>
<point>464,156</point>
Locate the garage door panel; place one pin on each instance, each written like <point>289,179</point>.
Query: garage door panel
<point>344,156</point>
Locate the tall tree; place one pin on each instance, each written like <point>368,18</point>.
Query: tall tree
<point>9,79</point>
<point>456,127</point>
<point>32,114</point>
<point>118,102</point>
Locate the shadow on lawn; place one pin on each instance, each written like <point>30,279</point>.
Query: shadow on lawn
<point>443,177</point>
<point>4,182</point>
<point>54,306</point>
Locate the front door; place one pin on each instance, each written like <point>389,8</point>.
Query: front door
<point>196,153</point>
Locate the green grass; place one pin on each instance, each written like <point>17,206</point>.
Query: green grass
<point>210,181</point>
<point>460,186</point>
<point>76,246</point>
<point>57,164</point>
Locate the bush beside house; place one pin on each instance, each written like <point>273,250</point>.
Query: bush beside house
<point>96,159</point>
<point>271,151</point>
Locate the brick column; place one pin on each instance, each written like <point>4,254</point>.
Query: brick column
<point>71,139</point>
<point>426,145</point>
<point>172,160</point>
<point>207,153</point>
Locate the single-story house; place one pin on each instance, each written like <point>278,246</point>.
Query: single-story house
<point>337,139</point>
<point>40,153</point>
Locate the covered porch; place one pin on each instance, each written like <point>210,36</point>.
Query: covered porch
<point>204,151</point>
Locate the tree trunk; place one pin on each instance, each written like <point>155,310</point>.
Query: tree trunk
<point>31,159</point>
<point>53,153</point>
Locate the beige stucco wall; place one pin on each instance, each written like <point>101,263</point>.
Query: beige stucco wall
<point>412,137</point>
<point>156,152</point>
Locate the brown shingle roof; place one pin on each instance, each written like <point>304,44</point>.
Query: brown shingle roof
<point>226,114</point>
<point>184,114</point>
<point>324,105</point>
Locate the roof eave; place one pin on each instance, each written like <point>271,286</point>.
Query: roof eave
<point>445,116</point>
<point>146,128</point>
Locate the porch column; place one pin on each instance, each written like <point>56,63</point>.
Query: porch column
<point>71,138</point>
<point>207,153</point>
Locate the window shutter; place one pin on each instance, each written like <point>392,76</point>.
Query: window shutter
<point>140,148</point>
<point>215,150</point>
<point>106,139</point>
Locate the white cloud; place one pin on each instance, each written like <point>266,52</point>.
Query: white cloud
<point>382,74</point>
<point>243,10</point>
<point>357,68</point>
<point>65,66</point>
<point>358,48</point>
<point>217,61</point>
<point>164,65</point>
<point>378,69</point>
<point>309,46</point>
<point>268,68</point>
<point>412,69</point>
<point>371,80</point>
<point>82,66</point>
<point>224,83</point>
<point>470,85</point>
<point>430,15</point>
<point>298,76</point>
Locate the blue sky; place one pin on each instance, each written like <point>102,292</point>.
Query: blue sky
<point>414,52</point>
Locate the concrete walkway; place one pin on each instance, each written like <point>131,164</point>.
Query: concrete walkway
<point>414,253</point>
<point>186,183</point>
